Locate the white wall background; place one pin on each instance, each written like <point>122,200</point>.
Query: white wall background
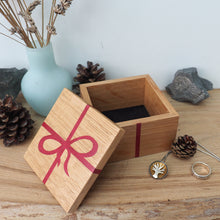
<point>132,37</point>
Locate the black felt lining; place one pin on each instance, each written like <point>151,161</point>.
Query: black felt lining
<point>125,114</point>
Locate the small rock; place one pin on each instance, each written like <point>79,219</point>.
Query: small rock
<point>10,81</point>
<point>187,86</point>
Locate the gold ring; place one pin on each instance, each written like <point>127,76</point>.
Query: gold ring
<point>201,175</point>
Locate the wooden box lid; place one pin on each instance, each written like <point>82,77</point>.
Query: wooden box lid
<point>71,148</point>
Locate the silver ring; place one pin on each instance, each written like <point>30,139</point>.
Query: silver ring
<point>204,165</point>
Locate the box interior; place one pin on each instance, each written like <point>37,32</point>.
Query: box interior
<point>137,98</point>
<point>125,114</point>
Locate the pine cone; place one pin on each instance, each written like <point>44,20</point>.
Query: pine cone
<point>88,74</point>
<point>184,147</point>
<point>15,121</point>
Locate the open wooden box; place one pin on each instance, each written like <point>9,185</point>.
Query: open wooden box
<point>143,136</point>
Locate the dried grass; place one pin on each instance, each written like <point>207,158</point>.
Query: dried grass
<point>21,24</point>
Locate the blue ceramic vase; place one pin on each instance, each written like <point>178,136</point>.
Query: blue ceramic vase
<point>44,81</point>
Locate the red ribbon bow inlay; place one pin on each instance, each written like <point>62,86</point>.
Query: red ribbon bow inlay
<point>66,145</point>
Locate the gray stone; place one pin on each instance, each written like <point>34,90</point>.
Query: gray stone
<point>10,81</point>
<point>187,86</point>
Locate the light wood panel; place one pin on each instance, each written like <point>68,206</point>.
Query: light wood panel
<point>159,129</point>
<point>125,190</point>
<point>66,163</point>
<point>154,100</point>
<point>114,94</point>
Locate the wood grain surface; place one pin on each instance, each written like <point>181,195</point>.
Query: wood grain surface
<point>157,131</point>
<point>97,136</point>
<point>124,190</point>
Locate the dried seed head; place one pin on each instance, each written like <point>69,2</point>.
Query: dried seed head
<point>22,13</point>
<point>27,18</point>
<point>15,30</point>
<point>59,9</point>
<point>62,7</point>
<point>32,29</point>
<point>51,30</point>
<point>32,6</point>
<point>66,3</point>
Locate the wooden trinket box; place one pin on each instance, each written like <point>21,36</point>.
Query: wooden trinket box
<point>71,148</point>
<point>138,106</point>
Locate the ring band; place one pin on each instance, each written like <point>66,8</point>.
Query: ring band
<point>200,176</point>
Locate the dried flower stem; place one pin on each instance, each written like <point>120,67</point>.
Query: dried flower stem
<point>7,13</point>
<point>24,3</point>
<point>27,17</point>
<point>52,12</point>
<point>14,22</point>
<point>29,10</point>
<point>10,31</point>
<point>52,17</point>
<point>23,7</point>
<point>12,11</point>
<point>11,38</point>
<point>49,34</point>
<point>26,30</point>
<point>42,5</point>
<point>50,20</point>
<point>4,27</point>
<point>16,11</point>
<point>15,15</point>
